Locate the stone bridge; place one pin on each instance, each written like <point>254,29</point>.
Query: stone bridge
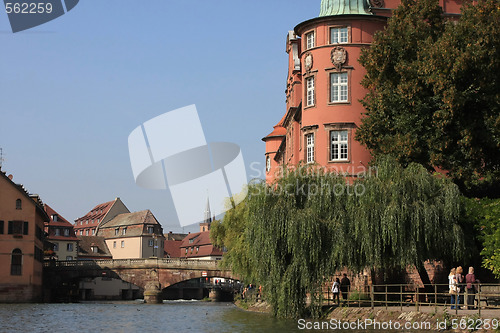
<point>152,275</point>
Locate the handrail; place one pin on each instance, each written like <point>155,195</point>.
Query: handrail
<point>123,263</point>
<point>487,296</point>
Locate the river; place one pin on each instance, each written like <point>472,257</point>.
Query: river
<point>175,316</point>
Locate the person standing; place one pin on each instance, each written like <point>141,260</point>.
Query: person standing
<point>460,280</point>
<point>336,291</point>
<point>471,281</point>
<point>345,285</point>
<point>452,283</point>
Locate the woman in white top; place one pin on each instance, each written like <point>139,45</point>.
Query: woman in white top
<point>452,282</point>
<point>336,290</point>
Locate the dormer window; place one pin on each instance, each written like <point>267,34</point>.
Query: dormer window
<point>117,231</point>
<point>150,229</point>
<point>55,218</point>
<point>124,231</point>
<point>94,249</point>
<point>19,204</point>
<point>66,232</point>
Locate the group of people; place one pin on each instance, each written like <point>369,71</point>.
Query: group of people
<point>341,286</point>
<point>458,284</point>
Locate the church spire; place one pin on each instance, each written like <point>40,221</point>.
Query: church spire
<point>344,7</point>
<point>208,214</point>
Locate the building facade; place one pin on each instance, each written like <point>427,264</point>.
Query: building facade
<point>133,235</point>
<point>61,235</point>
<point>22,219</point>
<point>323,88</point>
<point>88,224</point>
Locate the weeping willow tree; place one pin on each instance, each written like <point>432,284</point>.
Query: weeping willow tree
<point>292,235</point>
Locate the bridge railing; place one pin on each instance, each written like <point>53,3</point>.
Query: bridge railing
<point>148,262</point>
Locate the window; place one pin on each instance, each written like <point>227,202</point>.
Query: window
<point>186,250</point>
<point>16,262</point>
<point>94,249</point>
<point>56,246</point>
<point>69,257</point>
<point>124,231</point>
<point>93,232</point>
<point>19,205</point>
<point>310,40</point>
<point>69,247</point>
<point>17,228</point>
<point>57,232</point>
<point>66,232</point>
<point>151,243</point>
<point>339,35</point>
<point>197,249</point>
<point>310,148</point>
<point>117,231</point>
<point>150,230</point>
<point>81,232</point>
<point>339,85</point>
<point>38,254</point>
<point>339,146</point>
<point>268,164</point>
<point>87,232</point>
<point>114,245</point>
<point>310,91</point>
<point>123,243</point>
<point>1,227</point>
<point>55,218</point>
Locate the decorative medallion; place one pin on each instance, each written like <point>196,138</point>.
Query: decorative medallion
<point>308,61</point>
<point>376,3</point>
<point>339,56</point>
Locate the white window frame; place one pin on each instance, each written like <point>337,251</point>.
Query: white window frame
<point>339,35</point>
<point>339,145</point>
<point>66,232</point>
<point>69,247</point>
<point>310,140</point>
<point>151,230</point>
<point>123,244</point>
<point>268,163</point>
<point>310,91</point>
<point>151,243</point>
<point>124,231</point>
<point>57,232</point>
<point>310,40</point>
<point>339,87</point>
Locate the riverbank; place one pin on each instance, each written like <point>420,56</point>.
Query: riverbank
<point>434,319</point>
<point>427,319</point>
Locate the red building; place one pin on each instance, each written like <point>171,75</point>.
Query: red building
<point>61,235</point>
<point>323,87</point>
<point>88,224</point>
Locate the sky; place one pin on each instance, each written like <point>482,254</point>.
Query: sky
<point>73,89</point>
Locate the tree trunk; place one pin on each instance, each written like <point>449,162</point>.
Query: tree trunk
<point>424,277</point>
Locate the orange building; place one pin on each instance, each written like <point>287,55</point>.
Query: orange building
<point>323,87</point>
<point>22,220</point>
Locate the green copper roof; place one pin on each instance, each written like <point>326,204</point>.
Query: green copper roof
<point>342,7</point>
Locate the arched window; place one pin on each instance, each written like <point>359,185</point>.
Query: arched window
<point>19,204</point>
<point>16,262</point>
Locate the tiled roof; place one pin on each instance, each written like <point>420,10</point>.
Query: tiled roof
<point>60,223</point>
<point>201,240</point>
<point>95,214</point>
<point>172,248</point>
<point>121,220</point>
<point>175,236</point>
<point>85,247</point>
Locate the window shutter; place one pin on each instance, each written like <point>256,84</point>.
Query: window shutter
<point>25,229</point>
<point>10,227</point>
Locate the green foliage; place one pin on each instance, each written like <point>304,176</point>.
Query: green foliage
<point>486,213</point>
<point>291,235</point>
<point>434,91</point>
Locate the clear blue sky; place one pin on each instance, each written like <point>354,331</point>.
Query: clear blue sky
<point>73,89</point>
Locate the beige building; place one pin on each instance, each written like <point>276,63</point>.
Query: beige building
<point>133,235</point>
<point>61,235</point>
